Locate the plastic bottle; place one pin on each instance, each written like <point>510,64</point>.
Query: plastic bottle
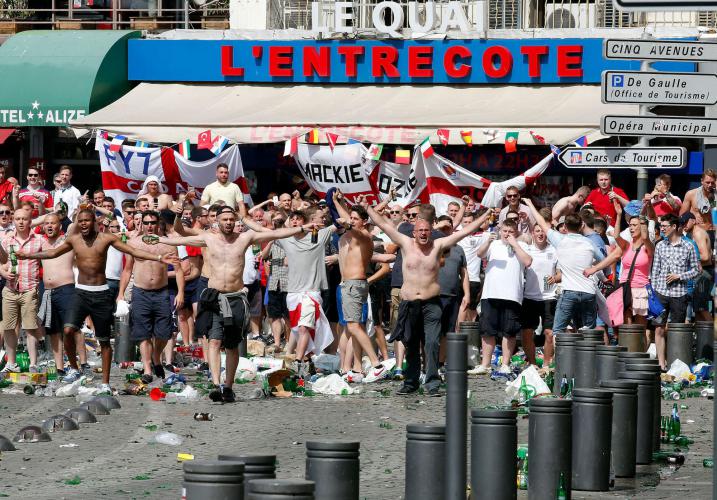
<point>522,478</point>
<point>13,260</point>
<point>51,371</point>
<point>22,358</point>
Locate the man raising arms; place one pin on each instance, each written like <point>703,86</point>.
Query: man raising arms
<point>570,204</point>
<point>223,314</point>
<point>701,200</point>
<point>92,295</point>
<point>419,315</point>
<point>355,251</point>
<point>151,311</point>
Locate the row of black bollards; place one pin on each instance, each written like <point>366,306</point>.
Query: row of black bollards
<point>332,473</point>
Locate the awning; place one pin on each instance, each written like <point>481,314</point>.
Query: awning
<point>51,77</point>
<point>5,133</point>
<point>389,114</point>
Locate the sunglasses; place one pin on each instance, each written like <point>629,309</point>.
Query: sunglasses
<point>394,211</point>
<point>56,181</point>
<point>114,228</point>
<point>509,196</point>
<point>33,175</point>
<point>150,222</point>
<point>5,212</point>
<point>411,216</point>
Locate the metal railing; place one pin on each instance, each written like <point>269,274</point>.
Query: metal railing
<point>21,15</point>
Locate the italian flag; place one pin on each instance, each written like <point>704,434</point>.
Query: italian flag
<point>184,148</point>
<point>426,148</point>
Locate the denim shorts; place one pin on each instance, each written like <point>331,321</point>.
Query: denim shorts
<point>150,314</point>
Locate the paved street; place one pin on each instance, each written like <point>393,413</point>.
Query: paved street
<point>116,457</point>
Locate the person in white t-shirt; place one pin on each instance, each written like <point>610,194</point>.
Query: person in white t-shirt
<point>577,302</point>
<point>502,294</point>
<point>539,297</point>
<point>470,245</point>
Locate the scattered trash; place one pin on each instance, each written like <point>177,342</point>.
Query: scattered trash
<point>204,417</point>
<point>156,394</point>
<point>69,445</point>
<point>328,363</point>
<point>74,481</point>
<point>332,385</point>
<point>71,389</point>
<point>181,457</point>
<point>530,382</point>
<point>680,370</point>
<point>168,438</point>
<point>141,477</point>
<point>151,427</point>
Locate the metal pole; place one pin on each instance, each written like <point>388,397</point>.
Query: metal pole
<point>644,142</point>
<point>186,14</point>
<point>456,415</point>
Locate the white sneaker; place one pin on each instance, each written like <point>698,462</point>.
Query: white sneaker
<point>353,377</point>
<point>505,369</point>
<point>11,368</point>
<point>375,374</point>
<point>105,389</point>
<point>480,370</point>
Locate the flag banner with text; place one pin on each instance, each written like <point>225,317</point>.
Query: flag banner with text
<point>124,171</point>
<point>407,182</point>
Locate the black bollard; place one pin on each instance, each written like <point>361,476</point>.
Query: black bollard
<point>456,415</point>
<point>494,439</point>
<point>549,447</point>
<point>606,362</point>
<point>425,461</point>
<point>564,357</point>
<point>654,369</point>
<point>632,337</point>
<point>212,480</point>
<point>592,430</point>
<point>624,425</point>
<point>255,467</point>
<point>704,331</point>
<point>593,334</point>
<point>680,337</point>
<point>585,363</point>
<point>623,357</point>
<point>645,414</point>
<point>280,489</point>
<point>333,466</point>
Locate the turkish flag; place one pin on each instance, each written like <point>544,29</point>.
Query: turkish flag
<point>204,141</point>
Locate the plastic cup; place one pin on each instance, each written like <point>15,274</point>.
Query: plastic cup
<point>156,394</point>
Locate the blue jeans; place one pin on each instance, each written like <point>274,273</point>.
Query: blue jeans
<point>580,307</point>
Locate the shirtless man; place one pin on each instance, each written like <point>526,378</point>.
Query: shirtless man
<point>150,312</point>
<point>152,191</point>
<point>223,315</point>
<point>420,302</point>
<point>92,295</point>
<point>701,200</point>
<point>702,293</point>
<point>355,250</point>
<point>59,280</point>
<point>570,204</point>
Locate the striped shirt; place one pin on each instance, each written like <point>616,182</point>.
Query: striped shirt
<point>279,271</point>
<point>28,270</point>
<point>674,258</point>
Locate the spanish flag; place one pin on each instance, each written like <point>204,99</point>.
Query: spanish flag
<point>403,156</point>
<point>313,136</point>
<point>467,136</point>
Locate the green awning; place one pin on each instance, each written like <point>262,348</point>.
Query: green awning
<point>51,77</point>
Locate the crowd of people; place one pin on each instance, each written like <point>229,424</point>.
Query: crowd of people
<point>377,285</point>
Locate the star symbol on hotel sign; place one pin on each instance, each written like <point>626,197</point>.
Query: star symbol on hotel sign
<point>35,104</point>
<point>39,115</point>
<point>30,115</point>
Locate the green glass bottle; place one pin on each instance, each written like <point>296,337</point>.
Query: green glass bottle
<point>13,260</point>
<point>676,431</point>
<point>550,381</point>
<point>562,492</point>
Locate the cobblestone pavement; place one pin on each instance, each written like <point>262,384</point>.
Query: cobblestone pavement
<point>116,458</point>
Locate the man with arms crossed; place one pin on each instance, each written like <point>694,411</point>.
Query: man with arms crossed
<point>223,313</point>
<point>355,251</point>
<point>151,311</point>
<point>93,297</point>
<point>419,315</point>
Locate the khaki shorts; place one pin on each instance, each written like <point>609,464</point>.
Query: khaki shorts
<point>22,306</point>
<point>395,301</point>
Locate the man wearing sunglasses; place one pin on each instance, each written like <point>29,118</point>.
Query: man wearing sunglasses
<point>6,224</point>
<point>35,193</point>
<point>395,214</point>
<point>525,218</point>
<point>151,311</point>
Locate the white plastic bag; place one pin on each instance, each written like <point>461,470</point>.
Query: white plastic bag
<point>679,370</point>
<point>71,389</point>
<point>122,310</point>
<point>168,438</point>
<point>532,378</point>
<point>246,371</point>
<point>327,362</point>
<point>652,351</point>
<point>332,385</point>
